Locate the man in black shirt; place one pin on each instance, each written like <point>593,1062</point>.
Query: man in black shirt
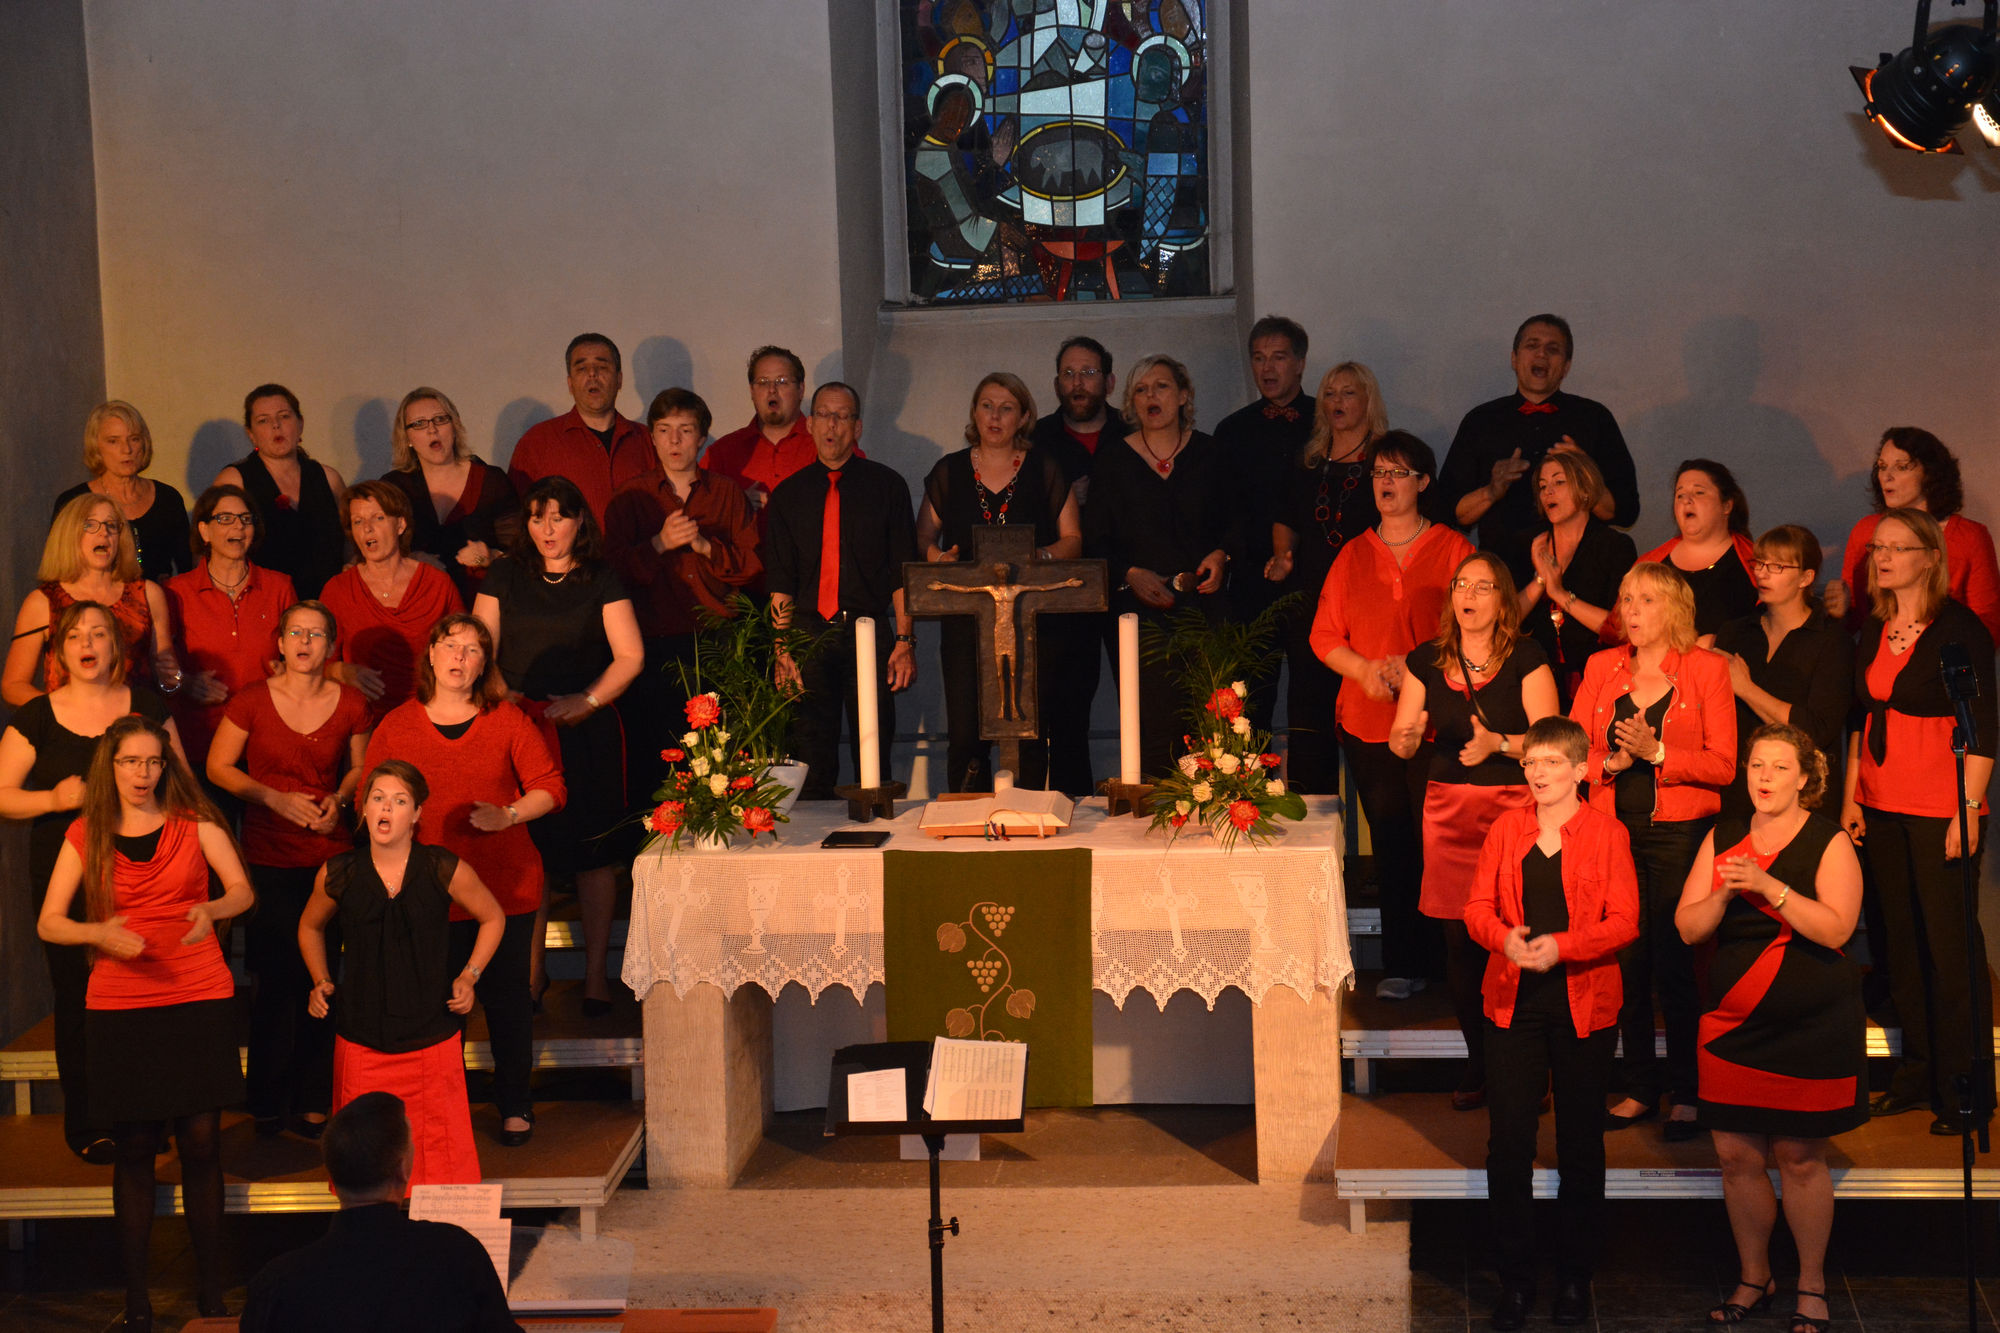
<point>375,1268</point>
<point>1259,442</point>
<point>1488,478</point>
<point>1073,431</point>
<point>858,513</point>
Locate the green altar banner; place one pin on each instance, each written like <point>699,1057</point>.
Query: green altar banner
<point>994,947</point>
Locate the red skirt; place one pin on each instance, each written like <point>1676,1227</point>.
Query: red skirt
<point>431,1083</point>
<point>1456,817</point>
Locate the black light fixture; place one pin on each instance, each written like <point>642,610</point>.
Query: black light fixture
<point>1986,115</point>
<point>1922,95</point>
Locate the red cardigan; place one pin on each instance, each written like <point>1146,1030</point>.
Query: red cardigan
<point>500,758</point>
<point>1603,895</point>
<point>1699,731</point>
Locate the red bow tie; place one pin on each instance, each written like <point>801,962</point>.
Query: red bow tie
<point>1273,412</point>
<point>1528,408</point>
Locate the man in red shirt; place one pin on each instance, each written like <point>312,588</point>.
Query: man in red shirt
<point>590,444</point>
<point>776,443</point>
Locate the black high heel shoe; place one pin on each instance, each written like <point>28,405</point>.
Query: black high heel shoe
<point>1612,1120</point>
<point>1805,1323</point>
<point>1735,1312</point>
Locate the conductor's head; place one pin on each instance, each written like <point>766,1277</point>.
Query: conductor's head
<point>368,1154</point>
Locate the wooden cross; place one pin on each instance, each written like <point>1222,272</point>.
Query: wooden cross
<point>1003,587</point>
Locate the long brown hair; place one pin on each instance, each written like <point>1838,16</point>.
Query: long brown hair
<point>178,794</point>
<point>1506,625</point>
<point>68,620</point>
<point>1937,579</point>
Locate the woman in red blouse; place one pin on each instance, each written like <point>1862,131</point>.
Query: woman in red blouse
<point>1383,597</point>
<point>225,615</point>
<point>90,557</point>
<point>490,773</point>
<point>299,738</point>
<point>387,604</point>
<point>1662,722</point>
<point>161,1004</point>
<point>1901,805</point>
<point>1914,470</point>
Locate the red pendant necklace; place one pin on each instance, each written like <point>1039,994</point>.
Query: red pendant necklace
<point>1006,495</point>
<point>1164,465</point>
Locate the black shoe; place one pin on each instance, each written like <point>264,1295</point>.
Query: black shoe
<point>1805,1323</point>
<point>269,1126</point>
<point>1572,1304</point>
<point>1680,1131</point>
<point>308,1129</point>
<point>1892,1103</point>
<point>103,1151</point>
<point>1512,1309</point>
<point>1468,1099</point>
<point>1613,1121</point>
<point>515,1138</point>
<point>1735,1312</point>
<point>595,1008</point>
<point>1946,1127</point>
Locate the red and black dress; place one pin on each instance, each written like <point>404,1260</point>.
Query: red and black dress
<point>1783,1047</point>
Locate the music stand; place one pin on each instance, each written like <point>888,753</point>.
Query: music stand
<point>914,1059</point>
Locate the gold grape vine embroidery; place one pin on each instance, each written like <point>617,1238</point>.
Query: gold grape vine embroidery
<point>992,971</point>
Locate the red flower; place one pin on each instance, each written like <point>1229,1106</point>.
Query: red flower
<point>1177,820</point>
<point>1203,761</point>
<point>1242,814</point>
<point>758,820</point>
<point>1270,760</point>
<point>703,711</point>
<point>673,756</point>
<point>1225,705</point>
<point>666,818</point>
<point>744,783</point>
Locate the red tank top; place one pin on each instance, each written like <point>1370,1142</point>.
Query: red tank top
<point>154,897</point>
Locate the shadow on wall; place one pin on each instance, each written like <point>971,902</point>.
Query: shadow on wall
<point>215,446</point>
<point>374,454</point>
<point>660,363</point>
<point>1772,452</point>
<point>888,394</point>
<point>513,423</point>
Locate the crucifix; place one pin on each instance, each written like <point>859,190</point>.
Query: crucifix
<point>1003,588</point>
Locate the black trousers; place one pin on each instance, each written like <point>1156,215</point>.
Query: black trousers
<point>502,990</point>
<point>69,978</point>
<point>654,711</point>
<point>1923,908</point>
<point>291,1052</point>
<point>1465,962</point>
<point>968,755</point>
<point>1539,1048</point>
<point>1071,653</point>
<point>1312,688</point>
<point>1658,963</point>
<point>1390,791</point>
<point>830,698</point>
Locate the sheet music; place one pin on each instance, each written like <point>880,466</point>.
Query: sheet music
<point>876,1094</point>
<point>976,1080</point>
<point>474,1207</point>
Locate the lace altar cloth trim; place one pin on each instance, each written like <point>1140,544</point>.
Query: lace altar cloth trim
<point>1189,917</point>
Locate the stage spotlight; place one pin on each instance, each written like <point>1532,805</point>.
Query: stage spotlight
<point>1923,94</point>
<point>1986,115</point>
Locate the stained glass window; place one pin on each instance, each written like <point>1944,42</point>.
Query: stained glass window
<point>1056,150</point>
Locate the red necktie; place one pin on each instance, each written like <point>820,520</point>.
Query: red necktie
<point>829,550</point>
<point>1529,409</point>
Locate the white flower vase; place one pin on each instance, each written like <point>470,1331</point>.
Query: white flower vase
<point>792,776</point>
<point>708,842</point>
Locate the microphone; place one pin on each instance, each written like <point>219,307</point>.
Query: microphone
<point>1961,687</point>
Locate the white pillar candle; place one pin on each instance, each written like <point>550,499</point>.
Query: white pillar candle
<point>868,722</point>
<point>1128,698</point>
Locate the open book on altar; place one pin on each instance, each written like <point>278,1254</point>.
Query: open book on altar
<point>1011,812</point>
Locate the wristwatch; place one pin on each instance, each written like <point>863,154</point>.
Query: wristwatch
<point>906,638</point>
<point>1505,747</point>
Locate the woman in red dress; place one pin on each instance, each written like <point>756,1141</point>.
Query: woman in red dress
<point>1783,1047</point>
<point>161,1006</point>
<point>491,773</point>
<point>386,604</point>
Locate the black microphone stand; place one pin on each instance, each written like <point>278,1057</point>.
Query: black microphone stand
<point>1961,685</point>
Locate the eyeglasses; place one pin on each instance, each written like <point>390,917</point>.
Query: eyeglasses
<point>1903,468</point>
<point>140,763</point>
<point>428,423</point>
<point>1079,376</point>
<point>1891,548</point>
<point>450,649</point>
<point>111,525</point>
<point>780,382</point>
<point>1394,473</point>
<point>300,632</point>
<point>1770,567</point>
<point>1478,589</point>
<point>837,416</point>
<point>232,520</point>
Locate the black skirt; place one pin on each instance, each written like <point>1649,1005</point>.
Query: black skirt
<point>586,833</point>
<point>163,1062</point>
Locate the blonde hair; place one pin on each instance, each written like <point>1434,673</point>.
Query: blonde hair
<point>93,425</point>
<point>402,456</point>
<point>1666,581</point>
<point>62,553</point>
<point>1321,442</point>
<point>1937,583</point>
<point>1182,381</point>
<point>1811,761</point>
<point>1023,433</point>
<point>1506,626</point>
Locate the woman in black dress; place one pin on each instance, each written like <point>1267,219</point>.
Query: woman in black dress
<point>1712,549</point>
<point>1783,1045</point>
<point>997,480</point>
<point>1579,563</point>
<point>567,643</point>
<point>1158,512</point>
<point>1326,504</point>
<point>296,497</point>
<point>117,450</point>
<point>463,511</point>
<point>45,752</point>
<point>1474,774</point>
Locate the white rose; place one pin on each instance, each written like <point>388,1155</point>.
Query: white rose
<point>1229,763</point>
<point>1189,766</point>
<point>1215,752</point>
<point>721,737</point>
<point>721,755</point>
<point>1275,786</point>
<point>1242,690</point>
<point>1182,807</point>
<point>1202,791</point>
<point>1252,762</point>
<point>698,766</point>
<point>718,784</point>
<point>690,740</point>
<point>1241,726</point>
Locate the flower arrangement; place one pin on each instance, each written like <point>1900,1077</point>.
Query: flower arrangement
<point>1227,782</point>
<point>714,789</point>
<point>735,662</point>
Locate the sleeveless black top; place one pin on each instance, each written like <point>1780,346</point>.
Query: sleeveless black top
<point>395,956</point>
<point>305,542</point>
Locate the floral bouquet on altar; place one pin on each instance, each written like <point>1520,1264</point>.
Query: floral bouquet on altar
<point>714,790</point>
<point>1227,782</point>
